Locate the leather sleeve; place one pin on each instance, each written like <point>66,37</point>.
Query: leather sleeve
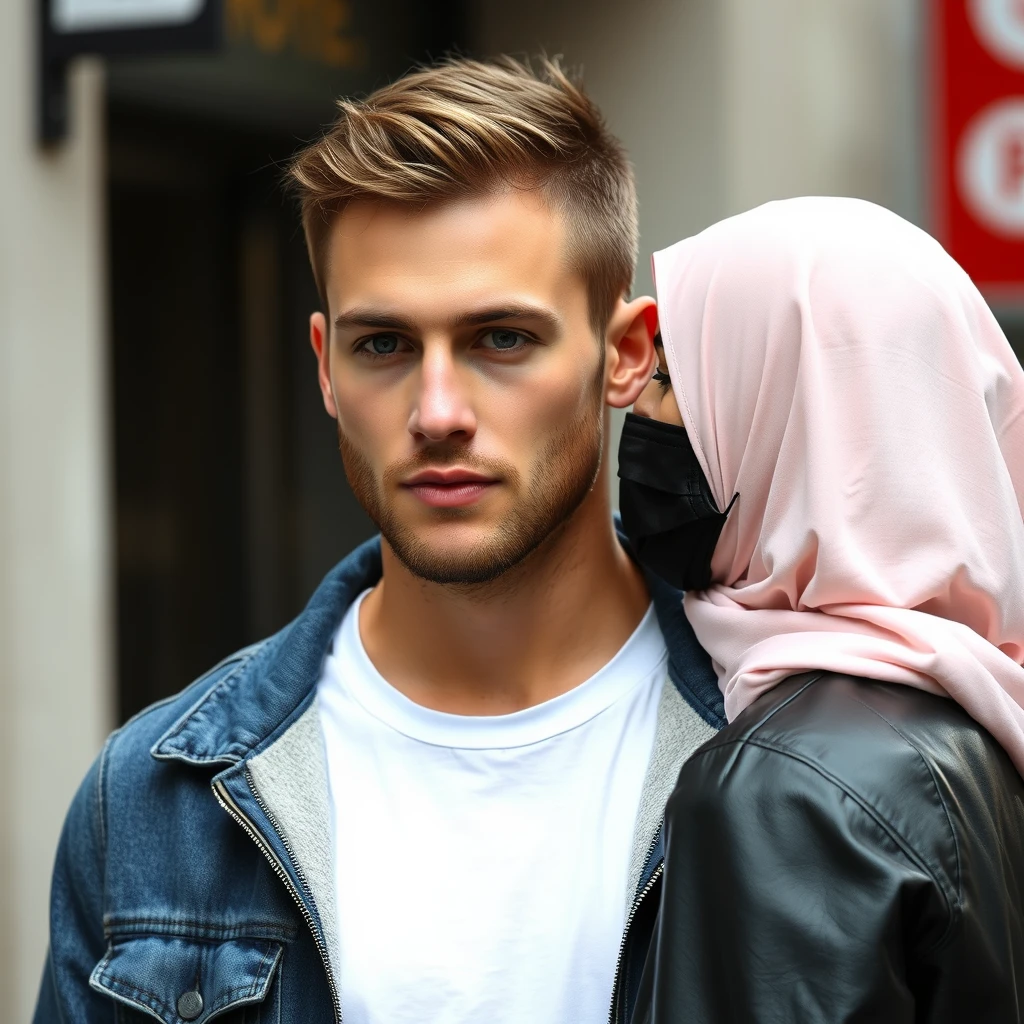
<point>787,900</point>
<point>77,941</point>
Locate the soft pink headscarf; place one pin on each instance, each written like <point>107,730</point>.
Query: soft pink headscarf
<point>839,371</point>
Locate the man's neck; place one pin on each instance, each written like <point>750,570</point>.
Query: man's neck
<point>498,648</point>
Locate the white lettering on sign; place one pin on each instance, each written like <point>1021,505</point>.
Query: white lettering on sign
<point>999,24</point>
<point>991,167</point>
<point>100,15</point>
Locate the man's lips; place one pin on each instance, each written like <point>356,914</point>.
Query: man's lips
<point>450,487</point>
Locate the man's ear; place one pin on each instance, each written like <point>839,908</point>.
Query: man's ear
<point>320,341</point>
<point>629,350</point>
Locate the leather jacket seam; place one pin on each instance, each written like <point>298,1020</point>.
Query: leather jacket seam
<point>716,743</point>
<point>789,700</point>
<point>938,793</point>
<point>875,815</point>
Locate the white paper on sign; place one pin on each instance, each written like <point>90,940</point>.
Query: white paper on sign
<point>97,15</point>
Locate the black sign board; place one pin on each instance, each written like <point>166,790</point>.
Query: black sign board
<point>71,28</point>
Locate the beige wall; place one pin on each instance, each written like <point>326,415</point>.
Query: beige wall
<point>725,104</point>
<point>55,678</point>
<point>820,97</point>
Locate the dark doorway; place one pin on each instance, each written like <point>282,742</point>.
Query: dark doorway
<point>231,499</point>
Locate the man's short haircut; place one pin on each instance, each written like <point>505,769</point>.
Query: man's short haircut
<point>464,128</point>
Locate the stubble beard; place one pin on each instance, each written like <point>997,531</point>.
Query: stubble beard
<point>568,470</point>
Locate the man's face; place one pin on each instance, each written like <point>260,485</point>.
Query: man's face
<point>466,379</point>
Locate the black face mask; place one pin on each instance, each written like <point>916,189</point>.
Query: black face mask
<point>668,511</point>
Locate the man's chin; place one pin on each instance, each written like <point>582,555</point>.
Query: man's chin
<point>455,553</point>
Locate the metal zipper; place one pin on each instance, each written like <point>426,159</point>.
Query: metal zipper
<point>224,799</point>
<point>637,900</point>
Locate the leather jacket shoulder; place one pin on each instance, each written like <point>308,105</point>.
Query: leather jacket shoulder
<point>846,850</point>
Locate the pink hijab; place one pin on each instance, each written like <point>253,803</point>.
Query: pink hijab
<point>839,371</point>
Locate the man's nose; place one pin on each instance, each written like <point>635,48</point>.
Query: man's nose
<point>441,409</point>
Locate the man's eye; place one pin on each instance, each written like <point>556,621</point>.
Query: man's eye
<point>381,345</point>
<point>504,341</point>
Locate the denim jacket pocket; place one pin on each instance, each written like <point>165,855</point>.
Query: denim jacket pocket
<point>184,980</point>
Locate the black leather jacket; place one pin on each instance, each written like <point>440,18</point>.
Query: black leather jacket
<point>845,851</point>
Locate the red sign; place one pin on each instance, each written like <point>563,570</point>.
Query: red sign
<point>978,184</point>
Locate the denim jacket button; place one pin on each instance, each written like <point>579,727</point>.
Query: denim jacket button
<point>190,1005</point>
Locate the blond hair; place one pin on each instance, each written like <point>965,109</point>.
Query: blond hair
<point>462,128</point>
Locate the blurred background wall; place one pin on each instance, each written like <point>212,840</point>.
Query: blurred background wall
<point>169,484</point>
<point>58,674</point>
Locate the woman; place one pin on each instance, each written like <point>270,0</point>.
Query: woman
<point>851,846</point>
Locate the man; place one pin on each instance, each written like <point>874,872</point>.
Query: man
<point>437,794</point>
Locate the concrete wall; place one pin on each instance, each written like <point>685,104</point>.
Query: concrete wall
<point>725,104</point>
<point>55,673</point>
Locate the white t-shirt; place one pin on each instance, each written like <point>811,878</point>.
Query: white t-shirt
<point>482,862</point>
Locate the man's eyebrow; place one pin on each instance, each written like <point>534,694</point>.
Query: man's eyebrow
<point>382,319</point>
<point>539,314</point>
<point>362,316</point>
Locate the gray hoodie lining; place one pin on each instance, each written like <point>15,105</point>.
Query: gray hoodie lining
<point>291,777</point>
<point>680,731</point>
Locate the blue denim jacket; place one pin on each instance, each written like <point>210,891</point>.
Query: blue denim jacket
<point>194,875</point>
